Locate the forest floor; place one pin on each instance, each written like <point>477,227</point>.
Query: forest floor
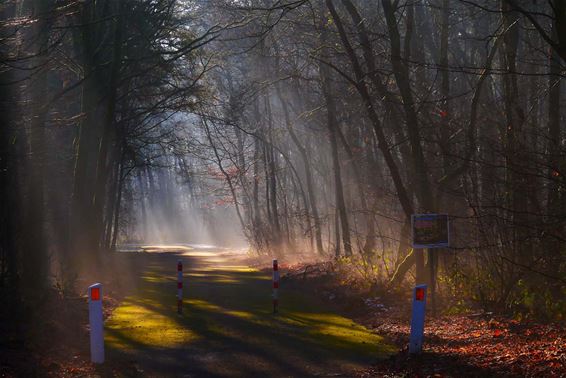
<point>323,328</point>
<point>474,344</point>
<point>227,328</point>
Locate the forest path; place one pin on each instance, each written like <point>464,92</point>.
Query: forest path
<point>227,328</point>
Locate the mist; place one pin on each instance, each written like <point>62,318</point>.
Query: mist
<point>168,205</point>
<point>309,131</point>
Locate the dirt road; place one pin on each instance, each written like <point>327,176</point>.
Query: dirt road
<point>227,328</point>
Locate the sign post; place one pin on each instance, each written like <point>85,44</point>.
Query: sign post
<point>432,279</point>
<point>430,231</point>
<point>417,319</point>
<point>96,323</point>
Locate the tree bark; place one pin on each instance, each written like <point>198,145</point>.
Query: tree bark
<point>404,199</point>
<point>514,148</point>
<point>332,125</point>
<point>555,165</point>
<point>34,276</point>
<point>401,73</point>
<point>308,173</point>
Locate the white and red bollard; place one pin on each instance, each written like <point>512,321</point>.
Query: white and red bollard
<point>96,321</point>
<point>179,287</point>
<point>275,286</point>
<point>417,319</point>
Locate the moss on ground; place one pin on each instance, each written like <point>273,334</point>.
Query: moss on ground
<point>230,307</point>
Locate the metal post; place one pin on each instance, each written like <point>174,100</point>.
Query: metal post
<point>419,266</point>
<point>179,287</point>
<point>275,286</point>
<point>96,321</point>
<point>417,319</point>
<point>432,280</point>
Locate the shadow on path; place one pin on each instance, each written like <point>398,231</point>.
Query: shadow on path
<point>227,328</point>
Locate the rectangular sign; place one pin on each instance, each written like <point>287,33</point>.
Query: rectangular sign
<point>430,230</point>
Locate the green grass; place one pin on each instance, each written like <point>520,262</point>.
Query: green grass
<point>230,307</point>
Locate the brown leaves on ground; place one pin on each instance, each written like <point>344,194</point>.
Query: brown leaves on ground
<point>57,343</point>
<point>51,338</point>
<point>475,345</point>
<point>470,346</point>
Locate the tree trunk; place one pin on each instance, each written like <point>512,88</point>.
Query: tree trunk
<point>34,276</point>
<point>226,177</point>
<point>9,201</point>
<point>514,148</point>
<point>272,178</point>
<point>370,223</point>
<point>308,173</point>
<point>332,125</point>
<point>401,73</point>
<point>118,204</point>
<point>104,161</point>
<point>553,160</point>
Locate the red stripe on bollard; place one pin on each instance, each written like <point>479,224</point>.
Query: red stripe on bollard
<point>276,285</point>
<point>179,285</point>
<point>95,294</point>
